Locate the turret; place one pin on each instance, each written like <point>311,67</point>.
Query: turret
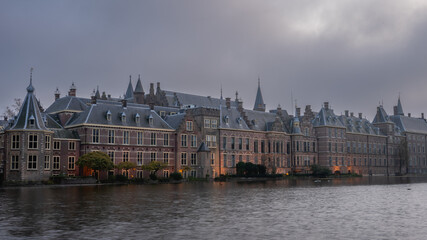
<point>259,102</point>
<point>72,92</point>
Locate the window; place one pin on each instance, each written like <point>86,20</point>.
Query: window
<point>165,173</point>
<point>95,135</point>
<point>111,154</point>
<point>47,142</point>
<point>139,138</point>
<point>212,159</point>
<point>139,173</point>
<point>125,157</point>
<point>183,158</point>
<point>139,158</point>
<point>255,146</point>
<point>166,139</point>
<point>233,142</point>
<point>225,160</point>
<point>224,143</point>
<point>46,162</point>
<point>162,113</point>
<point>32,162</point>
<point>14,163</point>
<point>153,139</point>
<point>71,163</point>
<point>71,145</point>
<point>32,141</point>
<point>166,157</point>
<point>111,136</point>
<point>211,141</point>
<point>183,140</point>
<point>233,160</point>
<point>153,156</point>
<point>55,165</point>
<point>15,141</point>
<point>207,123</point>
<point>56,145</point>
<point>240,143</point>
<point>189,126</point>
<point>193,141</point>
<point>193,158</point>
<point>193,173</point>
<point>125,137</point>
<point>247,144</point>
<point>214,123</point>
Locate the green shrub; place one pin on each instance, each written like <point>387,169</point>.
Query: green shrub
<point>176,176</point>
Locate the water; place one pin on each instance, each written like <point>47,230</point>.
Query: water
<point>361,208</point>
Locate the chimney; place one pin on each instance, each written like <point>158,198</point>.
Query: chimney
<point>151,88</point>
<point>298,111</point>
<point>158,88</point>
<point>351,114</point>
<point>124,103</point>
<point>360,115</point>
<point>109,96</point>
<point>72,92</point>
<point>57,94</point>
<point>240,106</point>
<point>346,113</point>
<point>93,99</point>
<point>279,108</point>
<point>227,102</point>
<point>5,118</point>
<point>409,114</point>
<point>307,109</point>
<point>395,110</point>
<point>326,105</point>
<point>422,115</point>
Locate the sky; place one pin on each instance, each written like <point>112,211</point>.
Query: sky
<point>352,54</point>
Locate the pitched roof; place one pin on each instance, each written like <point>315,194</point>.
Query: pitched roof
<point>327,117</point>
<point>175,120</point>
<point>129,91</point>
<point>359,125</point>
<point>177,99</point>
<point>232,119</point>
<point>260,120</point>
<point>381,116</point>
<point>399,107</point>
<point>68,103</point>
<point>125,117</point>
<point>29,116</point>
<point>139,88</point>
<point>409,124</point>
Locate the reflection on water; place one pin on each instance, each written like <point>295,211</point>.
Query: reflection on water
<point>356,208</point>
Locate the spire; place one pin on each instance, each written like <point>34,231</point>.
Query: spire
<point>399,107</point>
<point>97,94</point>
<point>237,96</point>
<point>29,116</point>
<point>129,91</point>
<point>221,92</point>
<point>139,88</point>
<point>30,87</point>
<point>259,102</point>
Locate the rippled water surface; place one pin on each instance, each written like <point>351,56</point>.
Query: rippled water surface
<point>361,208</point>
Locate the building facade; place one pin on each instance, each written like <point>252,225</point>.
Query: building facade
<point>203,136</point>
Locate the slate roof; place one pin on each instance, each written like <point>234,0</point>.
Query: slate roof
<point>409,124</point>
<point>175,120</point>
<point>97,114</point>
<point>235,119</point>
<point>359,125</point>
<point>381,116</point>
<point>260,120</point>
<point>129,91</point>
<point>177,99</point>
<point>399,108</point>
<point>327,117</point>
<point>138,87</point>
<point>68,103</point>
<point>30,111</point>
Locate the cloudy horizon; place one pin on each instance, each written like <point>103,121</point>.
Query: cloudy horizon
<point>353,54</point>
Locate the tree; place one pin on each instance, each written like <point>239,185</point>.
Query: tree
<point>14,109</point>
<point>126,166</point>
<point>403,155</point>
<point>320,171</point>
<point>154,167</point>
<point>96,161</point>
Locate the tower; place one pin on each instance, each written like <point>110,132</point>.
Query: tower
<point>139,92</point>
<point>259,102</point>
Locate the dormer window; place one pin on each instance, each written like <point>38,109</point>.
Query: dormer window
<point>226,118</point>
<point>32,120</point>
<point>137,118</point>
<point>108,115</point>
<point>150,120</point>
<point>123,117</point>
<point>239,120</point>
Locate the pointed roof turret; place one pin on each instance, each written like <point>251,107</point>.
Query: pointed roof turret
<point>97,94</point>
<point>129,91</point>
<point>381,116</point>
<point>399,107</point>
<point>29,116</point>
<point>138,88</point>
<point>259,102</point>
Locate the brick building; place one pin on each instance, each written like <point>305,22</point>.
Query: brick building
<point>203,136</point>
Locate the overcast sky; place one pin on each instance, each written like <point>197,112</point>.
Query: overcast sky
<point>353,54</point>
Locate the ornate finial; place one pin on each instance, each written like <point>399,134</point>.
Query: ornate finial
<point>259,82</point>
<point>97,87</point>
<point>130,78</point>
<point>237,96</point>
<point>221,91</point>
<point>139,76</point>
<point>30,87</point>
